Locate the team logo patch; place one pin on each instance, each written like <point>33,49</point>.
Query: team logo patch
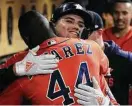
<point>28,65</point>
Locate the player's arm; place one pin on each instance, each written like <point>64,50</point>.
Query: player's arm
<point>112,49</point>
<point>124,58</point>
<point>28,63</point>
<point>33,65</point>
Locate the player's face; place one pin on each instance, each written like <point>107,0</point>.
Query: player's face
<point>122,14</point>
<point>69,26</point>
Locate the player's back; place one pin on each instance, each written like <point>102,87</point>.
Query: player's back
<point>79,61</point>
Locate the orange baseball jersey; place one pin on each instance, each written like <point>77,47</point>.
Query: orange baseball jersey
<point>79,61</point>
<point>13,59</point>
<point>124,42</point>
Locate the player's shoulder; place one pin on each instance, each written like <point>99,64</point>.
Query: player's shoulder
<point>92,43</point>
<point>78,40</point>
<point>72,41</point>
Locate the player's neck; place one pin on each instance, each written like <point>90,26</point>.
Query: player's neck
<point>120,32</point>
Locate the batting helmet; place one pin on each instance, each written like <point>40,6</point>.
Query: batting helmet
<point>71,8</point>
<point>96,23</point>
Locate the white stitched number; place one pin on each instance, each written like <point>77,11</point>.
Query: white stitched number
<point>65,90</point>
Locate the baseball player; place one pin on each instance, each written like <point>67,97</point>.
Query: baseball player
<point>122,69</point>
<point>121,32</point>
<point>53,97</point>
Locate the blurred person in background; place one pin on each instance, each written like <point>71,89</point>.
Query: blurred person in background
<point>121,34</point>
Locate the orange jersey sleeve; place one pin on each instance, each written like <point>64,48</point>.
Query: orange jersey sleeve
<point>13,59</point>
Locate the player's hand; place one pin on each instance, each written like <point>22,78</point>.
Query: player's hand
<point>91,96</point>
<point>97,37</point>
<point>33,65</point>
